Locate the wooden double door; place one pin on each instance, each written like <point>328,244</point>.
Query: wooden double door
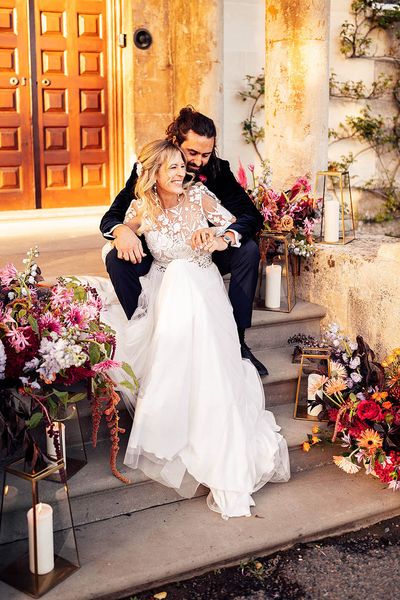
<point>54,103</point>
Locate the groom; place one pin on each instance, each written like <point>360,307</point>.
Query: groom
<point>130,258</point>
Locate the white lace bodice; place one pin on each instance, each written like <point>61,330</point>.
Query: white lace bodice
<point>169,238</point>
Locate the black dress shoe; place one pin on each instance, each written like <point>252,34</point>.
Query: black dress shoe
<point>247,353</point>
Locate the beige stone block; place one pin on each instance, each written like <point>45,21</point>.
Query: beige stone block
<point>359,285</point>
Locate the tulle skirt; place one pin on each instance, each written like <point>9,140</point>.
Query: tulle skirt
<point>199,415</point>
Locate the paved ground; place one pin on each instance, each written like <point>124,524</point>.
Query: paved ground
<point>355,566</point>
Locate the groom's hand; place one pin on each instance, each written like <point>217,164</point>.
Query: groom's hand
<point>128,245</point>
<point>201,237</point>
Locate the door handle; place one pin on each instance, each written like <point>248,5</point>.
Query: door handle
<point>14,81</point>
<point>46,82</point>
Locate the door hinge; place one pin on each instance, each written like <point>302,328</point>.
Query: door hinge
<point>122,40</point>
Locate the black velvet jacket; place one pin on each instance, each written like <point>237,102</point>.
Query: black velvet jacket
<point>220,180</point>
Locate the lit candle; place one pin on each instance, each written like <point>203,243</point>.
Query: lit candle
<point>312,396</point>
<point>273,286</point>
<point>51,449</point>
<point>331,217</point>
<point>44,539</point>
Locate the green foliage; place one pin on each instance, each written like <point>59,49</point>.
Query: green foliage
<point>371,129</point>
<point>254,92</point>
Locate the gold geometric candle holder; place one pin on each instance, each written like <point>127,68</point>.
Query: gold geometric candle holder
<point>314,363</point>
<point>276,287</point>
<point>337,216</point>
<point>38,546</point>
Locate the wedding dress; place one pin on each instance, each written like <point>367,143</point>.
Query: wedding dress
<point>199,415</point>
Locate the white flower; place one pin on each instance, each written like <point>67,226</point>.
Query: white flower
<point>139,168</point>
<point>11,295</point>
<point>31,280</point>
<point>338,370</point>
<point>24,380</point>
<point>24,292</point>
<point>3,360</point>
<point>356,377</point>
<point>355,362</point>
<point>353,346</point>
<point>345,358</point>
<point>394,485</point>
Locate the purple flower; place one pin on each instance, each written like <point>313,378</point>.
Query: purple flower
<point>356,377</point>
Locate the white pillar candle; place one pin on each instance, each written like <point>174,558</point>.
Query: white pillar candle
<point>313,379</point>
<point>51,449</point>
<point>273,275</point>
<point>45,541</point>
<point>331,218</point>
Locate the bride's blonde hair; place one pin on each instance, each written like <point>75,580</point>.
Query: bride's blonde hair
<point>151,157</point>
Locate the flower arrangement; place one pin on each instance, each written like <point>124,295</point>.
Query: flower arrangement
<point>361,400</point>
<point>295,210</point>
<point>51,338</point>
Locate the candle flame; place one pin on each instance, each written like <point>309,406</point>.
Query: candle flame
<point>6,490</point>
<point>39,507</point>
<point>65,488</point>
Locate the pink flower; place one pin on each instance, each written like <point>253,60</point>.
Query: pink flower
<point>105,365</point>
<point>49,322</point>
<point>76,317</point>
<point>8,274</point>
<point>18,339</point>
<point>61,297</point>
<point>203,178</point>
<point>241,176</point>
<point>101,337</point>
<point>308,226</point>
<point>251,168</point>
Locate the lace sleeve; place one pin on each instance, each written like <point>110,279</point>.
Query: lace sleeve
<point>215,212</point>
<point>131,212</point>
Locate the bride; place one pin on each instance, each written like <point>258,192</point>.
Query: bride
<point>199,414</point>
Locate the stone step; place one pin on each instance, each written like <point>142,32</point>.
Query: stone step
<point>271,329</point>
<point>97,495</point>
<point>149,548</point>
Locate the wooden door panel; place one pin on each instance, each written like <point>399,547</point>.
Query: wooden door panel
<point>72,91</point>
<point>16,155</point>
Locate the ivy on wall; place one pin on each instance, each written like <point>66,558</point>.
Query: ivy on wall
<point>374,131</point>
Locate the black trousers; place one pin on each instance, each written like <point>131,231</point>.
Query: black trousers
<point>242,263</point>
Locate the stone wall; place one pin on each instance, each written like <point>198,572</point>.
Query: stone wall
<point>359,284</point>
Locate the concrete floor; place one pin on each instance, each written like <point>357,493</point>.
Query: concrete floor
<point>69,240</point>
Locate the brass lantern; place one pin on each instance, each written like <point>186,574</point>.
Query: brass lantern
<point>314,365</point>
<point>37,538</point>
<point>276,288</point>
<point>337,215</point>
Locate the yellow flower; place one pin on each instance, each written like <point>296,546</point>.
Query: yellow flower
<point>391,358</point>
<point>335,385</point>
<point>315,439</point>
<point>160,596</point>
<point>306,447</point>
<point>258,566</point>
<point>370,440</point>
<point>396,351</point>
<point>344,463</point>
<point>384,364</point>
<point>315,429</point>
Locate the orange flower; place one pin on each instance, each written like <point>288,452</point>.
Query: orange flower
<point>335,385</point>
<point>380,396</point>
<point>306,447</point>
<point>387,404</point>
<point>370,440</point>
<point>315,439</point>
<point>315,429</point>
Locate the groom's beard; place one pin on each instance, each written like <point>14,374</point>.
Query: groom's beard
<point>195,170</point>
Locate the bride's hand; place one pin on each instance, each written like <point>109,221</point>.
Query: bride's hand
<point>215,245</point>
<point>201,237</point>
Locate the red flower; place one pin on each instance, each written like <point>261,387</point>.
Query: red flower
<point>367,409</point>
<point>16,360</point>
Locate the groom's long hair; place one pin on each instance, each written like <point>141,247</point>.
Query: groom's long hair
<point>190,119</point>
<point>150,159</point>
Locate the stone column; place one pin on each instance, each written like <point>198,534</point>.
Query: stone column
<point>296,87</point>
<point>197,41</point>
